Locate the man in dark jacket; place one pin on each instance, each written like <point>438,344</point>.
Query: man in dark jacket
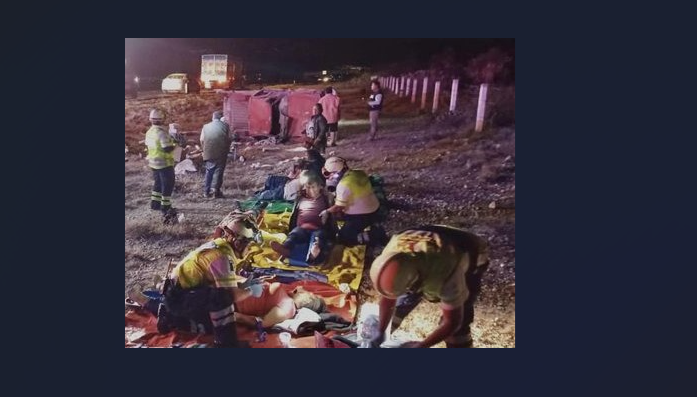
<point>374,107</point>
<point>317,130</point>
<point>215,140</point>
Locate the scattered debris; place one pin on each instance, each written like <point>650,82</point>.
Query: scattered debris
<point>267,141</point>
<point>258,165</point>
<point>184,166</point>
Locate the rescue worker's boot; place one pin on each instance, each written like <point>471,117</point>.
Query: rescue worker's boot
<point>222,315</point>
<point>170,217</point>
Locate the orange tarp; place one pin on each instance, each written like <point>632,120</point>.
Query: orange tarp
<point>141,326</point>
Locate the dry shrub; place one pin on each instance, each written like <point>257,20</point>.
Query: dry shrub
<point>152,228</point>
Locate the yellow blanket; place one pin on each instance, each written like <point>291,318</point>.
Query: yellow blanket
<point>345,265</point>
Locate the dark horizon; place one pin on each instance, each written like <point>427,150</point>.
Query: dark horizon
<point>287,58</point>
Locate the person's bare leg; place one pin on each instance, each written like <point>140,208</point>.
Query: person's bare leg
<point>274,316</point>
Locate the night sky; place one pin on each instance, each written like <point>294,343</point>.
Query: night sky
<point>286,58</point>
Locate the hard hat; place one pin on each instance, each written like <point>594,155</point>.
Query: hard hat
<point>157,114</point>
<point>243,225</point>
<point>396,270</point>
<point>334,164</point>
<point>393,275</point>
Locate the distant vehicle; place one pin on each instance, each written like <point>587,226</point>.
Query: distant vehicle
<point>218,71</point>
<point>180,83</point>
<point>132,83</point>
<point>131,86</point>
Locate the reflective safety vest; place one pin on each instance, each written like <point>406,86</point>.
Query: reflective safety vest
<point>191,272</point>
<point>156,139</point>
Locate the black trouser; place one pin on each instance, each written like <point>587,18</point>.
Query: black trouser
<point>461,337</point>
<point>206,307</point>
<point>353,226</point>
<point>161,196</point>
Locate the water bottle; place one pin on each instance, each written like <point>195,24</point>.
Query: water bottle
<point>284,337</point>
<point>369,330</point>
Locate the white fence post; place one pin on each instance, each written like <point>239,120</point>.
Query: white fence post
<point>401,86</point>
<point>424,91</point>
<point>453,94</point>
<point>415,82</point>
<point>436,93</point>
<point>481,107</point>
<point>408,87</point>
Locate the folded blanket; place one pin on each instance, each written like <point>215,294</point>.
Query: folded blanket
<point>305,322</point>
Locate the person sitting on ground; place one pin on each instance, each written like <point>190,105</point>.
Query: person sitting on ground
<point>306,219</point>
<point>293,185</point>
<point>275,305</point>
<point>314,163</point>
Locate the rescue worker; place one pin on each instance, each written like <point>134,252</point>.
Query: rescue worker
<point>160,159</point>
<point>437,263</point>
<point>355,203</point>
<point>202,289</point>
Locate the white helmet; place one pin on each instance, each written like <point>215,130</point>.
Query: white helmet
<point>334,164</point>
<point>157,115</point>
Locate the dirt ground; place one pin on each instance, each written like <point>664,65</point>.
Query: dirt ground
<point>436,170</point>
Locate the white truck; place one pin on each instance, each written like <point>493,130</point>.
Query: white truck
<point>218,71</point>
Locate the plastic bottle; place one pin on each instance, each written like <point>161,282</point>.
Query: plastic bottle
<point>369,330</point>
<point>284,337</point>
